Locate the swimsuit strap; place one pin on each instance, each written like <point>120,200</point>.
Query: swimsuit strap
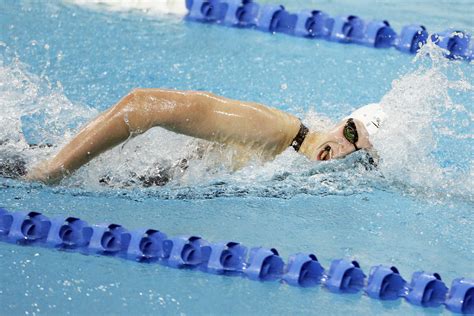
<point>299,138</point>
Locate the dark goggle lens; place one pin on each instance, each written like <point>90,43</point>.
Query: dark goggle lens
<point>350,132</point>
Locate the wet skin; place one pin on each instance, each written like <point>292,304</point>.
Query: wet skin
<point>333,144</point>
<point>245,125</point>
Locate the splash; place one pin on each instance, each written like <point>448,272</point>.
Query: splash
<point>427,133</point>
<point>167,165</point>
<point>35,113</point>
<point>157,7</point>
<point>174,166</point>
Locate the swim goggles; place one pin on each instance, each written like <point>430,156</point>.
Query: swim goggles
<point>350,133</point>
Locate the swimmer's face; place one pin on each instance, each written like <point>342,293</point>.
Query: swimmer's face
<point>345,138</point>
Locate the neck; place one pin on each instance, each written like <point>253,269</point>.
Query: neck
<point>310,145</point>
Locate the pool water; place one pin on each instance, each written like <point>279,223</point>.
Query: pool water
<point>61,64</point>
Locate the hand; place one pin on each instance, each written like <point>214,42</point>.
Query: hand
<point>46,173</point>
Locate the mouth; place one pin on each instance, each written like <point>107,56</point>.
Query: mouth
<point>325,154</point>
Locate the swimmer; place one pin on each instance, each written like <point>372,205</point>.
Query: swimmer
<point>246,125</point>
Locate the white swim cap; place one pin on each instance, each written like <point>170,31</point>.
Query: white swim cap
<point>371,115</point>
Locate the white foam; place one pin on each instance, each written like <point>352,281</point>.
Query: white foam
<point>173,7</point>
<point>31,103</point>
<point>417,102</point>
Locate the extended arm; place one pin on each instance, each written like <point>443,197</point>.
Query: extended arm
<point>198,114</point>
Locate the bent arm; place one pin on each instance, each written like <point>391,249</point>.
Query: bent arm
<point>197,114</point>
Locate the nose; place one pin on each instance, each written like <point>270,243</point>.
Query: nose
<point>343,149</point>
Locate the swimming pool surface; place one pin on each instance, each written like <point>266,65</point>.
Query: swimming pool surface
<point>61,64</point>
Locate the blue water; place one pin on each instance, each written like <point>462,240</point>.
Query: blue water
<point>61,64</point>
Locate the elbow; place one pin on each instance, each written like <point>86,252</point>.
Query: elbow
<point>138,92</point>
<point>129,102</point>
<point>133,112</point>
<point>135,97</point>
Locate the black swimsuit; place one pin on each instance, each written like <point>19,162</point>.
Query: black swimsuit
<point>299,138</point>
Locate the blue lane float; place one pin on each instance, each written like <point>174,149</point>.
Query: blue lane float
<point>461,296</point>
<point>317,24</point>
<point>345,277</point>
<point>242,14</point>
<point>379,34</point>
<point>303,270</point>
<point>385,283</point>
<point>412,38</point>
<point>109,240</point>
<point>146,245</point>
<point>69,233</point>
<point>232,258</point>
<point>427,290</point>
<point>277,19</point>
<point>207,10</point>
<point>456,43</point>
<point>183,251</point>
<point>348,29</point>
<point>28,227</point>
<point>264,264</point>
<point>314,24</point>
<point>225,258</point>
<point>6,220</point>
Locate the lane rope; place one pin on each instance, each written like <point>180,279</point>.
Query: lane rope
<point>316,24</point>
<point>232,258</point>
